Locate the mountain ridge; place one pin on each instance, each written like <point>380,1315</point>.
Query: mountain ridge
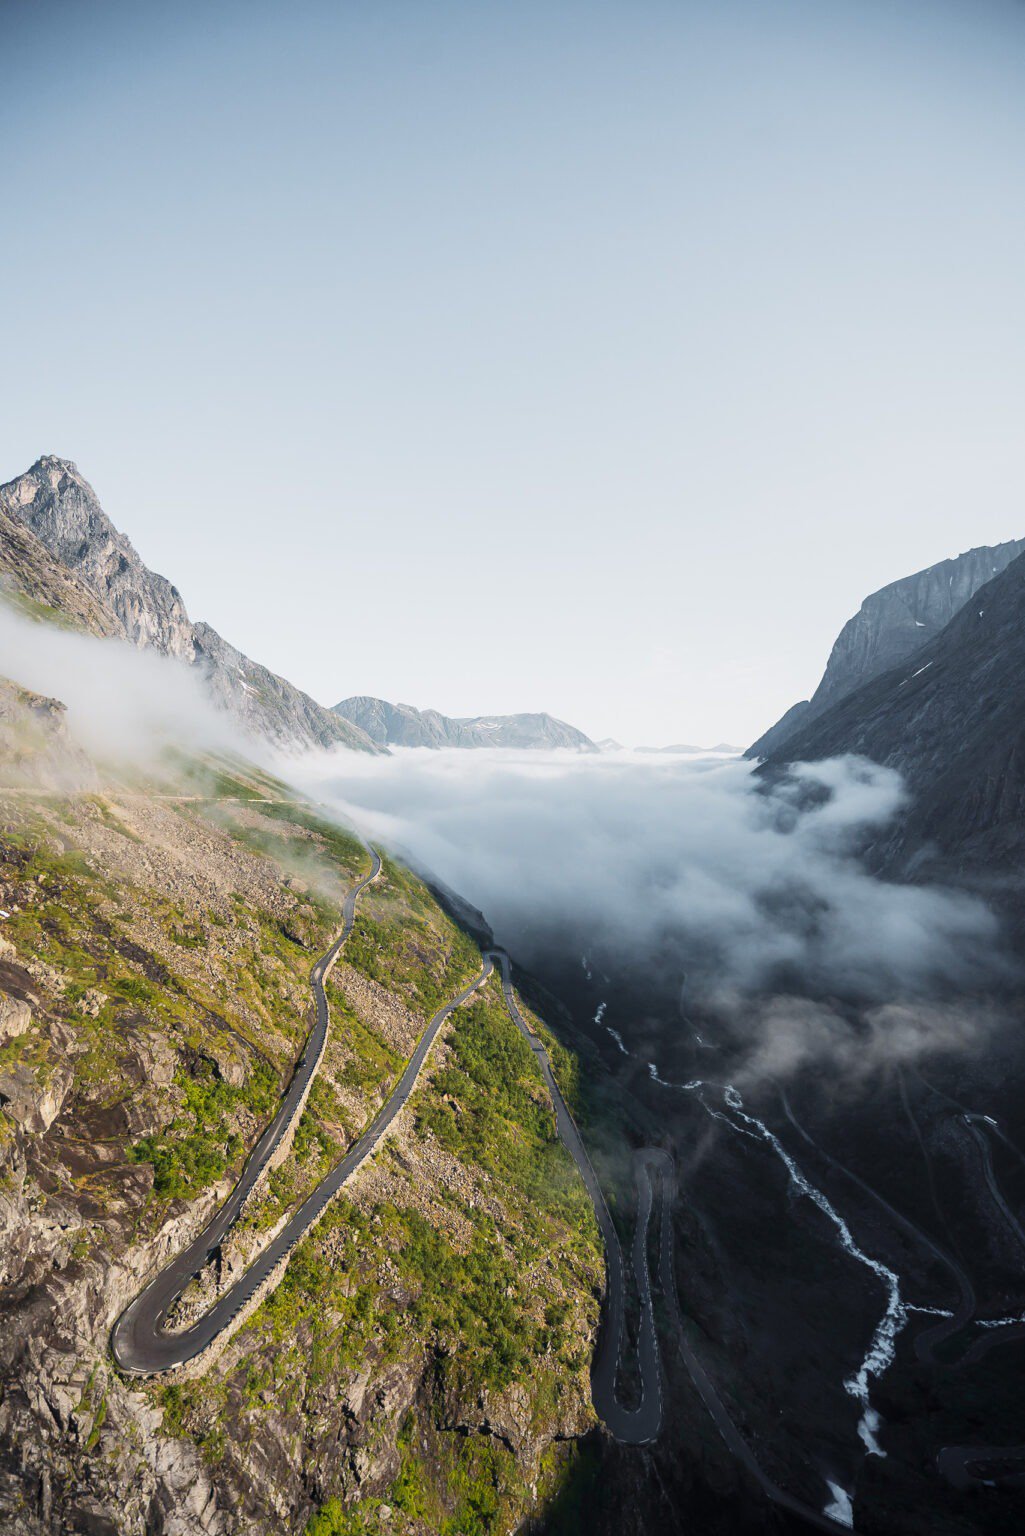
<point>891,625</point>
<point>59,509</point>
<point>949,720</point>
<point>403,725</point>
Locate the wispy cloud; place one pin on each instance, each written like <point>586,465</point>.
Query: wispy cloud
<point>123,704</point>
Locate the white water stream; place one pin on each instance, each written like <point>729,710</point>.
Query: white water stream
<point>883,1345</point>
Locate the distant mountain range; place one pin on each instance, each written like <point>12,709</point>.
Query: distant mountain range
<point>402,725</point>
<point>949,716</point>
<point>722,747</point>
<point>891,625</point>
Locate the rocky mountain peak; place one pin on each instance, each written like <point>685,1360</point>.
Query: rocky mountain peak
<point>58,509</point>
<point>62,510</point>
<point>50,464</point>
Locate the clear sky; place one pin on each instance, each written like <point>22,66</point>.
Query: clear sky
<point>594,357</point>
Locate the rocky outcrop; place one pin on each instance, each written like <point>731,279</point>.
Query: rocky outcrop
<point>402,725</point>
<point>58,1407</point>
<point>950,720</point>
<point>15,1017</point>
<point>35,744</point>
<point>891,625</point>
<point>58,510</point>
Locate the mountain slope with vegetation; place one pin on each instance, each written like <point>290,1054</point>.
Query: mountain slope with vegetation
<point>429,1345</point>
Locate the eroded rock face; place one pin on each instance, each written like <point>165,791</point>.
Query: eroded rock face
<point>31,1100</point>
<point>31,572</point>
<point>61,1399</point>
<point>61,509</point>
<point>15,1017</point>
<point>949,719</point>
<point>890,626</point>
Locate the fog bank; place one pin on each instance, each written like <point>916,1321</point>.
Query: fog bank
<point>638,858</point>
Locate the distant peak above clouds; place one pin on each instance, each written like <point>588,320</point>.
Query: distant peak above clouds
<point>403,725</point>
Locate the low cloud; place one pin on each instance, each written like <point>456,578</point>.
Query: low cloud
<point>669,862</point>
<point>750,904</point>
<point>778,1035</point>
<point>124,705</point>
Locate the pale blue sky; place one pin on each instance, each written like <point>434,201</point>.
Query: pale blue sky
<point>589,357</point>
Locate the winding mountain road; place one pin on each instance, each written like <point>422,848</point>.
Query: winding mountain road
<point>140,1341</point>
<point>143,1345</point>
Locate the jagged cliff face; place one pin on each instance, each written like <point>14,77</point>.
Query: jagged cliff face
<point>401,725</point>
<point>58,510</point>
<point>950,719</point>
<point>891,625</point>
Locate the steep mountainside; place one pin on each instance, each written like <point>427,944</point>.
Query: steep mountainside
<point>54,503</point>
<point>951,720</point>
<point>890,626</point>
<point>422,1366</point>
<point>44,588</point>
<point>401,725</point>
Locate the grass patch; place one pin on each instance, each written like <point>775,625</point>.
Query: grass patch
<point>201,1143</point>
